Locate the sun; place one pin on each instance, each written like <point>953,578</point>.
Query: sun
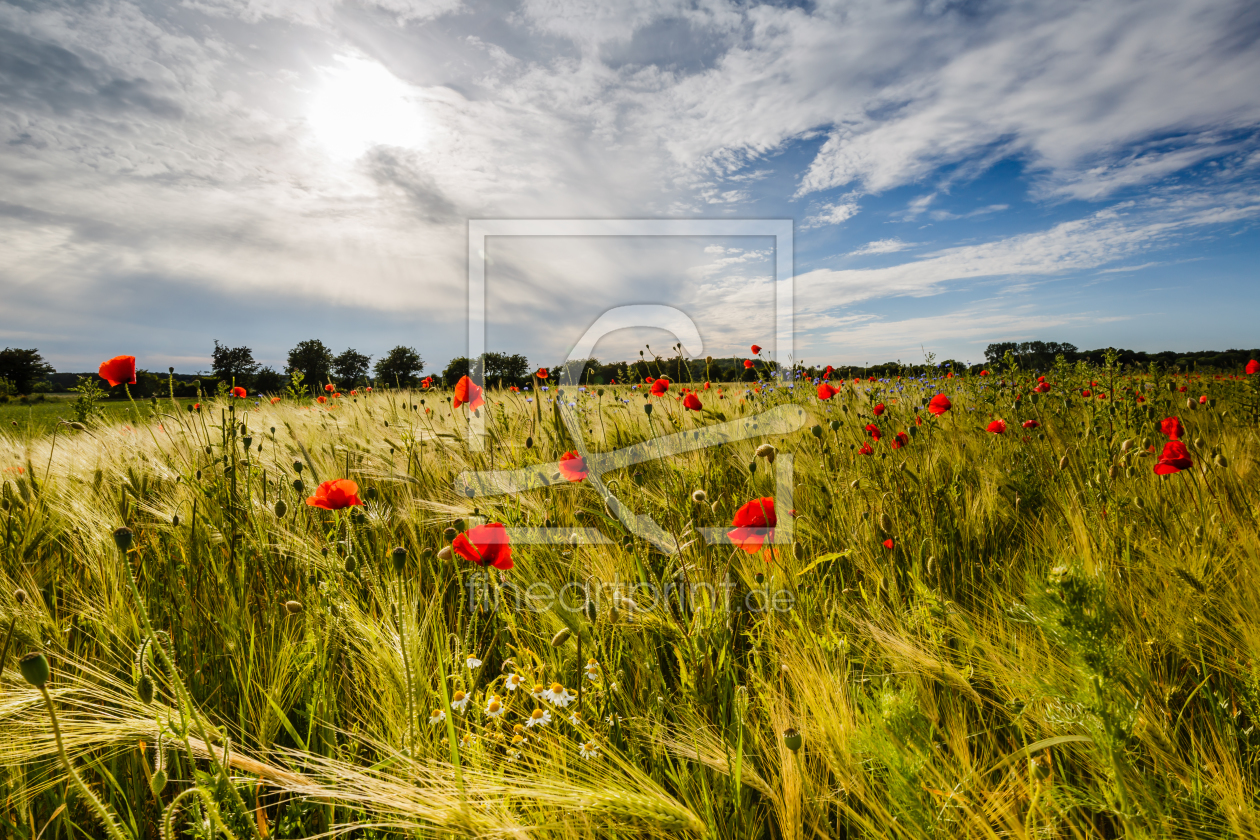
<point>359,105</point>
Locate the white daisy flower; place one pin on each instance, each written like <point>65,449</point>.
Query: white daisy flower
<point>473,663</point>
<point>467,739</point>
<point>514,681</point>
<point>559,695</point>
<point>494,707</point>
<point>576,719</point>
<point>540,717</point>
<point>459,700</point>
<point>589,750</point>
<point>519,740</point>
<point>539,692</point>
<point>437,717</point>
<point>592,670</point>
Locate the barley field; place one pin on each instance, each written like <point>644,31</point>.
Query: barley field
<point>1032,613</point>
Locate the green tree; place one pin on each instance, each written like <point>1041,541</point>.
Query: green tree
<point>457,367</point>
<point>313,360</point>
<point>350,368</point>
<point>23,368</point>
<point>268,381</point>
<point>234,365</point>
<point>400,367</point>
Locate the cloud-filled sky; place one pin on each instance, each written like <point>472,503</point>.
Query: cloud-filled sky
<point>266,171</point>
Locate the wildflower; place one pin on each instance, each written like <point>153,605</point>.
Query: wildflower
<point>589,750</point>
<point>437,717</point>
<point>120,370</point>
<point>998,427</point>
<point>939,405</point>
<point>692,402</point>
<point>888,544</point>
<point>473,663</point>
<point>1203,400</point>
<point>330,387</point>
<point>1030,424</point>
<point>335,495</point>
<point>873,431</point>
<point>866,450</point>
<point>1171,427</point>
<point>539,692</point>
<point>485,545</point>
<point>984,373</point>
<point>659,387</point>
<point>459,701</point>
<point>494,707</point>
<point>572,466</point>
<point>1042,387</point>
<point>748,363</point>
<point>513,682</point>
<point>540,717</point>
<point>1180,390</point>
<point>576,719</point>
<point>354,393</point>
<point>238,392</point>
<point>467,391</point>
<point>826,392</point>
<point>514,389</point>
<point>275,400</point>
<point>321,399</point>
<point>879,409</point>
<point>592,670</point>
<point>426,383</point>
<point>559,695</point>
<point>901,439</point>
<point>827,372</point>
<point>542,373</point>
<point>754,522</point>
<point>1253,367</point>
<point>1173,459</point>
<point>1086,393</point>
<point>756,348</point>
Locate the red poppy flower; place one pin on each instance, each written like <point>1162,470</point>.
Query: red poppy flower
<point>888,544</point>
<point>485,545</point>
<point>542,373</point>
<point>1203,400</point>
<point>1141,398</point>
<point>998,427</point>
<point>321,399</point>
<point>901,439</point>
<point>1030,424</point>
<point>826,392</point>
<point>354,393</point>
<point>939,405</point>
<point>1253,367</point>
<point>748,363</point>
<point>335,495</point>
<point>873,431</point>
<point>949,375</point>
<point>426,383</point>
<point>1174,458</point>
<point>368,389</point>
<point>754,524</point>
<point>196,406</point>
<point>238,392</point>
<point>1086,393</point>
<point>330,387</point>
<point>1043,387</point>
<point>120,370</point>
<point>1182,389</point>
<point>1171,427</point>
<point>275,400</point>
<point>756,348</point>
<point>659,387</point>
<point>467,391</point>
<point>870,379</point>
<point>866,450</point>
<point>706,386</point>
<point>692,402</point>
<point>879,409</point>
<point>572,466</point>
<point>984,373</point>
<point>514,389</point>
<point>918,421</point>
<point>827,372</point>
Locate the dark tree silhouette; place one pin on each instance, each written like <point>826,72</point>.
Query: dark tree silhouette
<point>23,368</point>
<point>350,368</point>
<point>400,367</point>
<point>314,361</point>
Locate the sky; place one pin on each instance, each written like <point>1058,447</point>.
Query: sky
<point>261,172</point>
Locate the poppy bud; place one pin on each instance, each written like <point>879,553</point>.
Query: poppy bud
<point>19,595</point>
<point>529,442</point>
<point>1112,472</point>
<point>1191,404</point>
<point>561,637</point>
<point>816,430</point>
<point>1063,462</point>
<point>792,739</point>
<point>1138,503</point>
<point>1221,462</point>
<point>1198,443</point>
<point>399,556</point>
<point>209,450</point>
<point>450,534</point>
<point>767,451</point>
<point>835,425</point>
<point>885,522</point>
<point>351,565</point>
<point>855,484</point>
<point>159,781</point>
<point>371,494</point>
<point>281,508</point>
<point>144,689</point>
<point>590,610</point>
<point>298,485</point>
<point>752,467</point>
<point>1038,769</point>
<point>699,496</point>
<point>930,566</point>
<point>647,407</point>
<point>247,441</point>
<point>292,607</point>
<point>198,475</point>
<point>35,670</point>
<point>638,477</point>
<point>297,466</point>
<point>444,553</point>
<point>122,539</point>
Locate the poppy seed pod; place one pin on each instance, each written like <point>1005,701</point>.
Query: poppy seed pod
<point>298,485</point>
<point>459,524</point>
<point>292,607</point>
<point>835,425</point>
<point>529,442</point>
<point>247,442</point>
<point>699,496</point>
<point>647,407</point>
<point>297,467</point>
<point>35,670</point>
<point>449,534</point>
<point>19,595</point>
<point>816,430</point>
<point>767,451</point>
<point>792,739</point>
<point>371,494</point>
<point>144,689</point>
<point>399,556</point>
<point>123,539</point>
<point>561,637</point>
<point>281,508</point>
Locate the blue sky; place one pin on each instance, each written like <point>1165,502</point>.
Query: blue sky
<point>266,171</point>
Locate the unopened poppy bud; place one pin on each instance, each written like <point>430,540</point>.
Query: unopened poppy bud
<point>708,360</point>
<point>351,565</point>
<point>1198,443</point>
<point>19,595</point>
<point>78,427</point>
<point>1221,462</point>
<point>855,484</point>
<point>1063,462</point>
<point>292,607</point>
<point>529,442</point>
<point>767,451</point>
<point>1191,404</point>
<point>298,485</point>
<point>450,534</point>
<point>35,670</point>
<point>1138,503</point>
<point>647,407</point>
<point>885,522</point>
<point>399,556</point>
<point>159,781</point>
<point>144,689</point>
<point>297,467</point>
<point>699,496</point>
<point>816,430</point>
<point>1126,445</point>
<point>445,553</point>
<point>590,610</point>
<point>1112,472</point>
<point>123,538</point>
<point>835,425</point>
<point>371,494</point>
<point>792,739</point>
<point>281,508</point>
<point>561,637</point>
<point>198,475</point>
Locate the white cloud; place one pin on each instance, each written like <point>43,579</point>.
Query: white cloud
<point>832,214</point>
<point>881,246</point>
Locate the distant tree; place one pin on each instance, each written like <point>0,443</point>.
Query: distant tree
<point>456,368</point>
<point>23,368</point>
<point>313,360</point>
<point>350,368</point>
<point>268,381</point>
<point>506,370</point>
<point>994,352</point>
<point>400,367</point>
<point>233,364</point>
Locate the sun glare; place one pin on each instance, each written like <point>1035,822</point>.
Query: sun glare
<point>360,105</point>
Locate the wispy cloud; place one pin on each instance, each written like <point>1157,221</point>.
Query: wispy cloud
<point>881,246</point>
